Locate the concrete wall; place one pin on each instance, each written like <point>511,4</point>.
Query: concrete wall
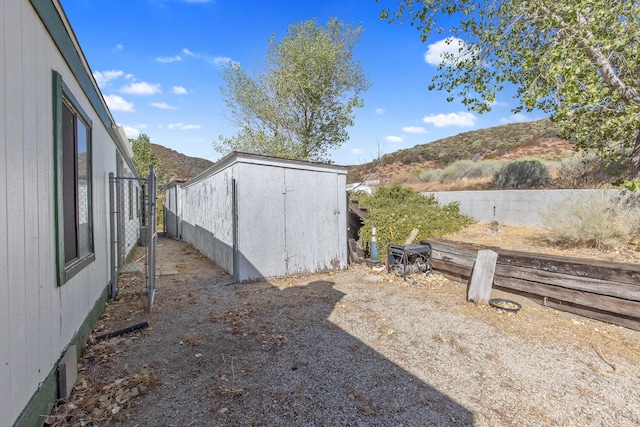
<point>512,207</point>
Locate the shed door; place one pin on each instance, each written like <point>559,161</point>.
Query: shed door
<point>311,215</point>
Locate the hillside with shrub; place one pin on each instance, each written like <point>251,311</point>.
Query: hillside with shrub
<point>177,166</point>
<point>484,150</point>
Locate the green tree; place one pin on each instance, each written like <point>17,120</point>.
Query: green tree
<point>578,60</point>
<point>302,103</point>
<point>143,157</point>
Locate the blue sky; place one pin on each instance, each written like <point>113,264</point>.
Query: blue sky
<point>157,63</point>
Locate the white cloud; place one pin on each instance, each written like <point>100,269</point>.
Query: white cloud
<point>179,90</point>
<point>117,103</point>
<point>380,111</point>
<point>447,50</point>
<point>163,106</point>
<point>182,126</point>
<point>168,59</point>
<point>356,151</point>
<point>141,88</point>
<point>221,60</point>
<point>131,132</point>
<point>414,129</point>
<point>393,138</point>
<point>515,118</point>
<point>462,119</point>
<point>119,47</point>
<point>188,52</point>
<point>196,1</point>
<point>104,77</point>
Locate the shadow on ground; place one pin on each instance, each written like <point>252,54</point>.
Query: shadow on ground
<point>257,354</point>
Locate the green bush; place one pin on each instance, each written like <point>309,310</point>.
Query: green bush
<point>469,169</point>
<point>522,174</point>
<point>597,220</point>
<point>428,175</point>
<point>397,210</point>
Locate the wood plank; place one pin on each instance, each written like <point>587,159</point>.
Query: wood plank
<point>596,269</point>
<point>620,290</point>
<point>627,322</point>
<point>454,248</point>
<point>596,302</point>
<point>453,254</point>
<point>450,267</point>
<point>482,276</point>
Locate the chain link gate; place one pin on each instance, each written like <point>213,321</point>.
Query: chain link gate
<point>132,204</point>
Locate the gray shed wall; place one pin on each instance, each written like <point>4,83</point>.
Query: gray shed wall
<point>291,217</point>
<point>207,217</point>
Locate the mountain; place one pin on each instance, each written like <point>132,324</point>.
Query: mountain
<point>176,165</point>
<point>507,142</point>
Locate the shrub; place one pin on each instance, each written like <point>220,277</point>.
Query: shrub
<point>522,174</point>
<point>469,169</point>
<point>428,175</point>
<point>585,170</point>
<point>397,210</point>
<point>597,220</point>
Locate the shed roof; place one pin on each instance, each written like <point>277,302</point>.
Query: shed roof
<point>258,159</point>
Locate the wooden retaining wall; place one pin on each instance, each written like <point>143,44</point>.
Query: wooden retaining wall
<point>602,290</point>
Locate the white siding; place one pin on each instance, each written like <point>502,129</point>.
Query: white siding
<point>14,129</point>
<point>38,319</point>
<point>4,232</point>
<point>30,189</point>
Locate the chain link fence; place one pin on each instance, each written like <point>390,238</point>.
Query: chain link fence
<point>133,231</point>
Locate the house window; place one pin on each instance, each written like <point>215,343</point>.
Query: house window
<point>72,137</point>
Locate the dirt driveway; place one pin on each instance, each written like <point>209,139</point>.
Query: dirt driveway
<point>352,348</point>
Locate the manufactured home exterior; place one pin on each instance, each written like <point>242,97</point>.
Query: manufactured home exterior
<point>58,144</point>
<point>260,217</point>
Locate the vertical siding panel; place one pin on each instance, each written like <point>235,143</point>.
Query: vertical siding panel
<point>46,254</point>
<point>29,99</point>
<point>343,213</point>
<point>4,250</point>
<point>312,221</point>
<point>261,221</point>
<point>18,388</point>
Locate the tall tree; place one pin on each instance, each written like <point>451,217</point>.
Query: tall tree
<point>302,103</point>
<point>578,60</point>
<point>143,157</point>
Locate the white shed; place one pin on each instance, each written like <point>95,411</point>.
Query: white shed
<point>260,217</point>
<point>58,144</point>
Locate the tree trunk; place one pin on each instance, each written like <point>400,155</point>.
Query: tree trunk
<point>634,167</point>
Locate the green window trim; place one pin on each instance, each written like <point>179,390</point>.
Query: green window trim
<point>63,97</point>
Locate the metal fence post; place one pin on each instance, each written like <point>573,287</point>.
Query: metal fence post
<point>112,233</point>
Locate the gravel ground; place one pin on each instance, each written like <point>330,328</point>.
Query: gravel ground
<point>351,348</point>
